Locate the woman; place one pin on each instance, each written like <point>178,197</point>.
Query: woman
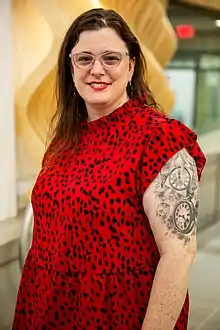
<point>116,201</point>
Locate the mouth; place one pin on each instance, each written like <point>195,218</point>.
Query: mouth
<point>98,86</point>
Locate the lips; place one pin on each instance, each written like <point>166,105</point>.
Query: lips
<point>99,86</point>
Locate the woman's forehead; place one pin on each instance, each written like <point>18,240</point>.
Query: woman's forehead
<point>97,41</point>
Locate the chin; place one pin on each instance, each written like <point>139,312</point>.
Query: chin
<point>99,99</point>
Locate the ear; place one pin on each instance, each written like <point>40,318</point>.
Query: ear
<point>72,72</point>
<point>73,78</point>
<point>131,67</point>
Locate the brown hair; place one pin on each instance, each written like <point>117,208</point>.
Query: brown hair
<point>71,109</point>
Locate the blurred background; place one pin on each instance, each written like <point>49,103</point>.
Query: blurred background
<point>181,42</point>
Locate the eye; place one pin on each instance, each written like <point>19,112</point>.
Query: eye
<point>111,58</point>
<point>83,59</point>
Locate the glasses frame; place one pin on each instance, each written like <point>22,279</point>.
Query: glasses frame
<point>99,57</point>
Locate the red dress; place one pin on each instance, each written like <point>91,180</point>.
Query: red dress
<point>93,256</point>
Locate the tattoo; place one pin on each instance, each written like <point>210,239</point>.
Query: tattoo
<point>177,188</point>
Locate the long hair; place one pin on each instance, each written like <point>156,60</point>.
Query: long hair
<point>70,106</point>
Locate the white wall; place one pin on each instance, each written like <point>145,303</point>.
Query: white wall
<point>8,206</point>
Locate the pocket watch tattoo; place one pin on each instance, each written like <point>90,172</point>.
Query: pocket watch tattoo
<point>177,189</point>
<point>184,216</point>
<point>179,178</point>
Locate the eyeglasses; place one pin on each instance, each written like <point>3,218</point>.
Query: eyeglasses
<point>108,60</point>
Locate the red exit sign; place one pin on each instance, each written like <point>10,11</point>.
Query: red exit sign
<point>185,31</point>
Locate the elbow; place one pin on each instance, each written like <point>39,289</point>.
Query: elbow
<point>192,256</point>
<point>180,264</point>
<point>192,251</point>
<point>179,257</point>
<point>189,258</point>
<point>184,253</point>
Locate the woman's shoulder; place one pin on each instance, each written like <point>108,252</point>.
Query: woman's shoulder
<point>154,117</point>
<point>49,150</point>
<point>154,122</point>
<point>162,138</point>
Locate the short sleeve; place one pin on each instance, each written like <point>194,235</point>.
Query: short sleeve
<point>164,142</point>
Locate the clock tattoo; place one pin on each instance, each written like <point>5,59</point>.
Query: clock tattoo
<point>184,216</point>
<point>176,189</point>
<point>179,178</point>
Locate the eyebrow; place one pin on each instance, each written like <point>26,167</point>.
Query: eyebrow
<point>106,51</point>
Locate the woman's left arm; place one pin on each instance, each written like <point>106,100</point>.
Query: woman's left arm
<point>171,205</point>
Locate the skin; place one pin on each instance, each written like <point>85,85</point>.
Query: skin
<point>102,103</point>
<point>171,205</point>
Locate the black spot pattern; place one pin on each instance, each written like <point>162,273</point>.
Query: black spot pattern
<point>93,256</point>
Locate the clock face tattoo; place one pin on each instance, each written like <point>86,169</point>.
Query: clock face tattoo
<point>179,178</point>
<point>184,216</point>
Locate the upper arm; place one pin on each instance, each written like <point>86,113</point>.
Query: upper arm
<point>171,205</point>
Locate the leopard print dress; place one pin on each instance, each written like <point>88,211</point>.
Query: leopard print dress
<point>93,257</point>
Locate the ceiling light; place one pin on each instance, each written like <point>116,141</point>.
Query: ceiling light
<point>217,22</point>
<point>96,3</point>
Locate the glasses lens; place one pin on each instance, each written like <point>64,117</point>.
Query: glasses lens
<point>83,60</point>
<point>111,60</point>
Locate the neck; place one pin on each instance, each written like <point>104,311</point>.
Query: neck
<point>96,111</point>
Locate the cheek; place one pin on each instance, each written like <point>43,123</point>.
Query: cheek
<point>123,73</point>
<point>122,76</point>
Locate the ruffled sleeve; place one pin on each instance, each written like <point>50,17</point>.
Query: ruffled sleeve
<point>167,138</point>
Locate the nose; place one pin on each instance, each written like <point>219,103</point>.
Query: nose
<point>97,68</point>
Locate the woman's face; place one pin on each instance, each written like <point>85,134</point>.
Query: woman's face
<point>100,82</point>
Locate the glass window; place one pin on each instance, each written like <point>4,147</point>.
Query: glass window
<point>182,82</point>
<point>208,101</point>
<point>182,63</point>
<point>210,62</point>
